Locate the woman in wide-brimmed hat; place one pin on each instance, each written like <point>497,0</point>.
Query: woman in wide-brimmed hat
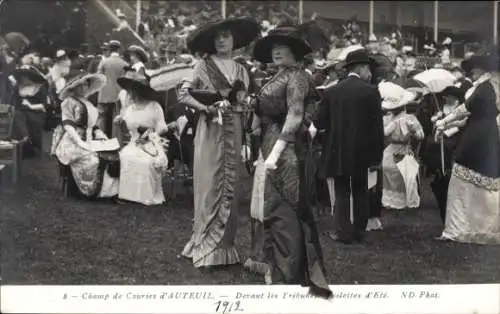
<point>142,161</point>
<point>400,130</point>
<point>286,233</point>
<point>89,177</point>
<point>220,84</point>
<point>473,205</point>
<point>137,57</point>
<point>32,90</point>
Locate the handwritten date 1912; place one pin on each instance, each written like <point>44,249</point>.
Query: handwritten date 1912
<point>228,307</point>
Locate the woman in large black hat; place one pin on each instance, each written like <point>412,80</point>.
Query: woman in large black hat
<point>143,161</point>
<point>218,139</point>
<point>32,90</point>
<point>72,140</point>
<point>287,248</point>
<point>473,205</point>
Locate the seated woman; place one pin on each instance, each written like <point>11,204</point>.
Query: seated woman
<point>142,161</point>
<point>89,176</point>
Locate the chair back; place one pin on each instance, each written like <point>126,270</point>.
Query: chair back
<point>6,121</point>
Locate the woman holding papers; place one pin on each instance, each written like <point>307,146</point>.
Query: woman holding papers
<point>143,161</point>
<point>291,252</point>
<point>218,140</point>
<point>72,140</point>
<point>473,206</point>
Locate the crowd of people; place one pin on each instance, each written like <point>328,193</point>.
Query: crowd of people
<point>350,128</point>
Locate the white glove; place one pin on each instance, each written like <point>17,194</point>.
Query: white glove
<point>181,123</point>
<point>451,131</point>
<point>440,124</point>
<point>312,130</point>
<point>275,154</point>
<point>85,146</point>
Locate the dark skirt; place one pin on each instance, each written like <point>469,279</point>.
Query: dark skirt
<point>291,241</point>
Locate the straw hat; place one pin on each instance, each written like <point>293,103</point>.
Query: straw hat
<point>76,78</point>
<point>285,35</point>
<point>244,31</point>
<point>138,82</point>
<point>395,96</point>
<point>114,44</point>
<point>139,51</point>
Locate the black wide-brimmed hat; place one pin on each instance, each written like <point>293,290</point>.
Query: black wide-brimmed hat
<point>30,72</point>
<point>288,36</point>
<point>360,56</point>
<point>244,31</point>
<point>139,51</point>
<point>138,82</point>
<point>486,63</point>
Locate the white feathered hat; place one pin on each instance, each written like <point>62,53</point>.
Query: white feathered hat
<point>394,96</point>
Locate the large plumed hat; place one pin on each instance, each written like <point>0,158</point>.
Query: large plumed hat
<point>486,63</point>
<point>94,83</point>
<point>202,40</point>
<point>285,35</point>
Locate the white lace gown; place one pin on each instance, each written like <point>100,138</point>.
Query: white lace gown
<point>141,173</point>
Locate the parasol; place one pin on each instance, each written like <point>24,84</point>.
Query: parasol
<point>436,80</point>
<point>169,76</point>
<point>409,167</point>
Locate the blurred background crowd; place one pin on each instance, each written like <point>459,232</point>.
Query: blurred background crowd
<point>162,27</point>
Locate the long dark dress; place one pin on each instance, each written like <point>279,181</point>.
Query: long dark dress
<point>473,206</point>
<point>290,243</point>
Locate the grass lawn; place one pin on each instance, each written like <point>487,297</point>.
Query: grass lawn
<point>47,239</point>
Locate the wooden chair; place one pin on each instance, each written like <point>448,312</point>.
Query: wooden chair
<point>11,152</point>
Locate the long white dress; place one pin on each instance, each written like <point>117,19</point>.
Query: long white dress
<point>395,193</point>
<point>141,173</point>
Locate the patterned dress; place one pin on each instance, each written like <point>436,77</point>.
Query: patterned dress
<point>88,171</point>
<point>216,169</point>
<point>396,194</point>
<point>288,240</point>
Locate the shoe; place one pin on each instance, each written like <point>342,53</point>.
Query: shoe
<point>374,224</point>
<point>340,239</point>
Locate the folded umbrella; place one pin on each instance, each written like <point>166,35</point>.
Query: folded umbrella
<point>409,168</point>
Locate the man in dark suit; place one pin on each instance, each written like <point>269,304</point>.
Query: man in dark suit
<point>112,67</point>
<point>351,116</point>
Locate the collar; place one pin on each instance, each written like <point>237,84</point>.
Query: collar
<point>483,78</point>
<point>114,54</point>
<point>354,74</point>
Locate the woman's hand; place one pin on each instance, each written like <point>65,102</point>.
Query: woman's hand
<point>85,146</point>
<point>117,119</point>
